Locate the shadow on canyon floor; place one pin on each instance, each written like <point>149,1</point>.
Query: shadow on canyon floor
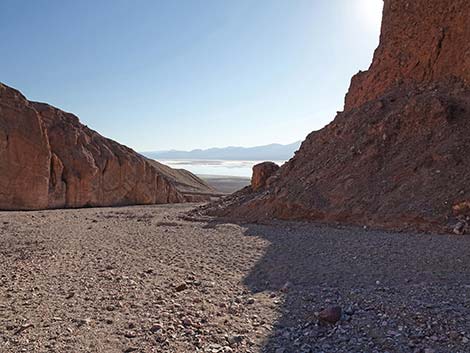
<point>399,292</point>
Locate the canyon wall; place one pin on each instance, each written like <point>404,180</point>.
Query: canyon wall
<point>48,159</point>
<point>420,41</point>
<point>24,154</point>
<point>398,157</point>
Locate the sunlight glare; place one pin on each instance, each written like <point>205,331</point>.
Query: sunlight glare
<point>371,12</point>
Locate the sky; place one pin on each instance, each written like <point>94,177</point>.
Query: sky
<point>185,74</point>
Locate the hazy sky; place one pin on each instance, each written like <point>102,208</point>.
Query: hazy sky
<point>184,74</point>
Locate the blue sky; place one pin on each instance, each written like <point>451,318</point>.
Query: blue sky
<point>184,74</point>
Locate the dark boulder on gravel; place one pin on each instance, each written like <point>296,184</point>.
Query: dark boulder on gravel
<point>331,314</point>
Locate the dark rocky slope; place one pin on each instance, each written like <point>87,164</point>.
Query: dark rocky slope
<point>398,157</point>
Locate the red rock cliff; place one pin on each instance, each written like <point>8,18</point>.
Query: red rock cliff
<point>421,41</point>
<point>399,155</point>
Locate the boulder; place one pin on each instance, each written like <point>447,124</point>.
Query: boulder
<point>331,314</point>
<point>261,173</point>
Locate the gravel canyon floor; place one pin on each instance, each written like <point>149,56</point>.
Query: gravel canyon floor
<point>148,279</point>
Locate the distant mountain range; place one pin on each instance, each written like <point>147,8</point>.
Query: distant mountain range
<point>272,152</point>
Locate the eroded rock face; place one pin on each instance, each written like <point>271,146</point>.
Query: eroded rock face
<point>261,173</point>
<point>399,156</point>
<point>24,153</point>
<point>90,170</point>
<point>48,159</point>
<point>421,41</point>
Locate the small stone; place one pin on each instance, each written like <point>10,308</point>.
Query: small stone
<point>130,334</point>
<point>459,228</point>
<point>349,310</point>
<point>130,349</point>
<point>181,287</point>
<point>285,288</point>
<point>331,314</point>
<point>187,321</point>
<point>236,339</point>
<point>23,327</point>
<point>70,295</point>
<point>156,328</point>
<point>83,322</point>
<point>250,301</point>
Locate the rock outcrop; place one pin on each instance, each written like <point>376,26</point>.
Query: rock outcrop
<point>261,174</point>
<point>192,187</point>
<point>48,159</point>
<point>421,41</point>
<point>398,157</point>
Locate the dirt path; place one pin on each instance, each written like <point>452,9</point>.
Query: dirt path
<point>142,279</point>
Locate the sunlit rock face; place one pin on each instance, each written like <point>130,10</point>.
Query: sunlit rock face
<point>24,153</point>
<point>398,156</point>
<point>90,170</point>
<point>421,41</point>
<point>48,159</point>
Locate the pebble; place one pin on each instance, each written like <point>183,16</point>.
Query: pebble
<point>286,287</point>
<point>331,314</point>
<point>459,228</point>
<point>130,334</point>
<point>233,340</point>
<point>181,287</point>
<point>187,321</point>
<point>156,328</point>
<point>130,349</point>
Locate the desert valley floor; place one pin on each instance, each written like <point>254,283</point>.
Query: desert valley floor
<point>149,279</point>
